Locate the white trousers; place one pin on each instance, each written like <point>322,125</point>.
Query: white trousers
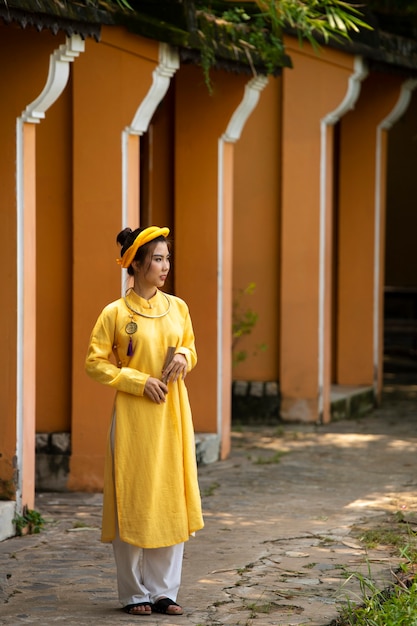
<point>146,574</point>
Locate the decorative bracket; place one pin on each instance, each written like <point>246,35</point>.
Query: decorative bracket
<point>354,86</point>
<point>401,106</point>
<point>250,99</point>
<point>168,65</point>
<point>57,79</point>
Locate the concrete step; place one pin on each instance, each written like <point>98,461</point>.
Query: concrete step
<point>351,402</point>
<point>207,448</point>
<point>7,513</point>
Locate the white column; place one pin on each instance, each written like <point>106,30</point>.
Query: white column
<point>161,78</point>
<point>392,118</point>
<point>352,94</point>
<point>59,68</point>
<point>232,134</point>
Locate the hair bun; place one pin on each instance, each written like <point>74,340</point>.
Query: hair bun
<point>123,235</point>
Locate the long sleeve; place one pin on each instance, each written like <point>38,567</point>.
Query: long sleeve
<point>98,363</point>
<point>187,347</point>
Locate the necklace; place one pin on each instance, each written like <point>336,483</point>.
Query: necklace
<point>129,306</point>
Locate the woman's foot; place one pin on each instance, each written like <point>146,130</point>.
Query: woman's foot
<point>167,606</point>
<point>139,608</point>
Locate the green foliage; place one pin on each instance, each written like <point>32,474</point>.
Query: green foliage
<point>123,4</point>
<point>243,322</point>
<point>313,19</point>
<point>250,33</point>
<point>236,35</point>
<point>30,520</point>
<point>255,34</point>
<point>393,607</point>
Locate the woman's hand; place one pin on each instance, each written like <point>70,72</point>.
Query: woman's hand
<point>155,390</point>
<point>176,368</point>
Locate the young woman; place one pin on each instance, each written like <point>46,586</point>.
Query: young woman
<point>142,345</point>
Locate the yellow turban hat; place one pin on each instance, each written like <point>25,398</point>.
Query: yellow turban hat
<point>146,235</point>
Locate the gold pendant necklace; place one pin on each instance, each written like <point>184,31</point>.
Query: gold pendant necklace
<point>144,314</point>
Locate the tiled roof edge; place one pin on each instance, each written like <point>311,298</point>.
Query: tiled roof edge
<point>87,26</point>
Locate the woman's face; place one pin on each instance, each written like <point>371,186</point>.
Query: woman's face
<point>155,273</point>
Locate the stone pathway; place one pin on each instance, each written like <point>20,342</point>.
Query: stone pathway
<point>284,516</point>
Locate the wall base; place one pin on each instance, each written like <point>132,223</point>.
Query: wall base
<point>255,402</point>
<point>53,452</point>
<point>260,403</point>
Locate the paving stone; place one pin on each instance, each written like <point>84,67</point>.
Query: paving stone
<point>278,539</point>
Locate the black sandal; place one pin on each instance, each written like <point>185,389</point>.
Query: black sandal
<point>128,608</point>
<point>162,605</point>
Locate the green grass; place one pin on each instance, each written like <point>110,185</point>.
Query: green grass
<point>396,606</point>
<point>276,458</point>
<point>210,490</point>
<point>256,607</point>
<point>375,537</point>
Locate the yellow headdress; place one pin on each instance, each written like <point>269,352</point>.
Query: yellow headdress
<point>144,236</point>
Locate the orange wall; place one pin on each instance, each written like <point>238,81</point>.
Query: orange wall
<point>159,162</point>
<point>256,226</point>
<point>24,74</point>
<point>314,87</point>
<point>401,249</point>
<point>110,81</point>
<point>201,119</point>
<point>355,303</point>
<point>78,209</point>
<point>158,172</point>
<point>54,267</point>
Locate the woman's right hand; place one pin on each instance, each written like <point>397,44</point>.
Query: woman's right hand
<point>155,390</point>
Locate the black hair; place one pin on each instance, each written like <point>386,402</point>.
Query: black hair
<point>125,239</point>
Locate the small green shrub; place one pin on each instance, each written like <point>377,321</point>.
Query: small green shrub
<point>243,322</point>
<point>31,520</point>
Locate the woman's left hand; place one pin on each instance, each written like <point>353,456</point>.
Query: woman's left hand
<point>176,368</point>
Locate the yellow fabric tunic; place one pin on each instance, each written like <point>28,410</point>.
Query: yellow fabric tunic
<point>151,479</point>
